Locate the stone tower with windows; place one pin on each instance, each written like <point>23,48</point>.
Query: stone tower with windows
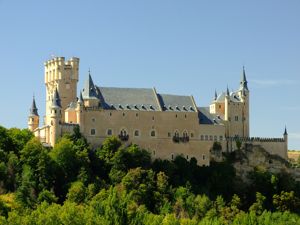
<point>55,118</point>
<point>33,118</point>
<point>63,76</point>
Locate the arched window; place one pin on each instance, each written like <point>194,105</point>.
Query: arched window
<point>153,134</point>
<point>185,134</point>
<point>136,133</point>
<point>123,132</point>
<point>176,133</point>
<point>109,132</point>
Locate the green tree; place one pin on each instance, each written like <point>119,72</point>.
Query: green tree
<point>258,206</point>
<point>286,201</point>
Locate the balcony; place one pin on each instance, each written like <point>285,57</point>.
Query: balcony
<point>123,137</point>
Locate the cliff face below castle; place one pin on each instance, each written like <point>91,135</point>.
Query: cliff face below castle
<point>256,157</point>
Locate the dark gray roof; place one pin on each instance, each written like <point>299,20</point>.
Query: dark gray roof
<point>56,100</point>
<point>176,103</point>
<point>128,98</point>
<point>234,97</point>
<point>89,91</point>
<point>205,117</point>
<point>244,83</point>
<point>33,110</point>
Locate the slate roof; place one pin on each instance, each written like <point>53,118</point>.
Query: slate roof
<point>33,110</point>
<point>233,97</point>
<point>56,100</point>
<point>128,98</point>
<point>205,117</point>
<point>176,103</point>
<point>89,91</point>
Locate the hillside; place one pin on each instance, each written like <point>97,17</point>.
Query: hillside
<point>116,184</point>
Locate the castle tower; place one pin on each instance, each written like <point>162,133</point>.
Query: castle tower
<point>55,118</point>
<point>33,118</point>
<point>227,113</point>
<point>79,113</point>
<point>63,76</point>
<point>90,93</point>
<point>285,137</point>
<point>244,96</point>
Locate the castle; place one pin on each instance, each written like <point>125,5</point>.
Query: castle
<point>166,125</point>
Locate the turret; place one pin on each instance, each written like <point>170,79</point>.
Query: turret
<point>243,84</point>
<point>62,75</point>
<point>285,137</point>
<point>90,93</point>
<point>33,118</point>
<point>79,112</point>
<point>56,118</point>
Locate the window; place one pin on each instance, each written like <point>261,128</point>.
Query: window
<point>136,133</point>
<point>32,119</point>
<point>152,117</point>
<point>154,152</point>
<point>215,138</point>
<point>93,131</point>
<point>203,157</point>
<point>206,137</point>
<point>187,157</point>
<point>176,116</point>
<point>184,134</point>
<point>176,133</point>
<point>185,116</point>
<point>169,134</point>
<point>210,137</point>
<point>109,132</point>
<point>110,114</point>
<point>123,132</point>
<point>202,137</point>
<point>236,118</point>
<point>93,119</point>
<point>152,133</point>
<point>221,138</point>
<point>123,114</point>
<point>137,115</point>
<point>172,156</point>
<point>192,135</point>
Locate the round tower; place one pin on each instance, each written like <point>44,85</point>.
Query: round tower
<point>79,112</point>
<point>55,118</point>
<point>33,118</point>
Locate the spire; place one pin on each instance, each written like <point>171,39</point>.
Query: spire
<point>33,109</point>
<point>89,90</point>
<point>227,92</point>
<point>244,82</point>
<point>80,100</point>
<point>285,132</point>
<point>56,99</point>
<point>216,95</point>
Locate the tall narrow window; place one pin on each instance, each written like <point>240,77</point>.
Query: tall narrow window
<point>109,132</point>
<point>153,133</point>
<point>93,131</point>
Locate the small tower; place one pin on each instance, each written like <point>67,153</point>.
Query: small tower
<point>227,112</point>
<point>79,112</point>
<point>90,93</point>
<point>55,117</point>
<point>33,118</point>
<point>244,95</point>
<point>285,137</point>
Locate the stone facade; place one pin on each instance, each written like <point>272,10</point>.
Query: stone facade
<point>166,125</point>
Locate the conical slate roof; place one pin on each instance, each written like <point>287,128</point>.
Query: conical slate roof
<point>33,110</point>
<point>244,82</point>
<point>89,91</point>
<point>56,103</point>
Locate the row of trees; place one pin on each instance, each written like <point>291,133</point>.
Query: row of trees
<point>114,184</point>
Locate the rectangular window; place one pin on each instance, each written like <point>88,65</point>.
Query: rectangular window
<point>215,138</point>
<point>109,132</point>
<point>210,137</point>
<point>203,157</point>
<point>206,137</point>
<point>236,118</point>
<point>202,137</point>
<point>221,138</point>
<point>93,131</point>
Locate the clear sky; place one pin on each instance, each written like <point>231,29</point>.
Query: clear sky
<point>179,47</point>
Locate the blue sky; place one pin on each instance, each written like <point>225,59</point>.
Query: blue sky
<point>179,47</point>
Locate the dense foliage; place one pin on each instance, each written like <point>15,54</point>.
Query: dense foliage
<point>117,184</point>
